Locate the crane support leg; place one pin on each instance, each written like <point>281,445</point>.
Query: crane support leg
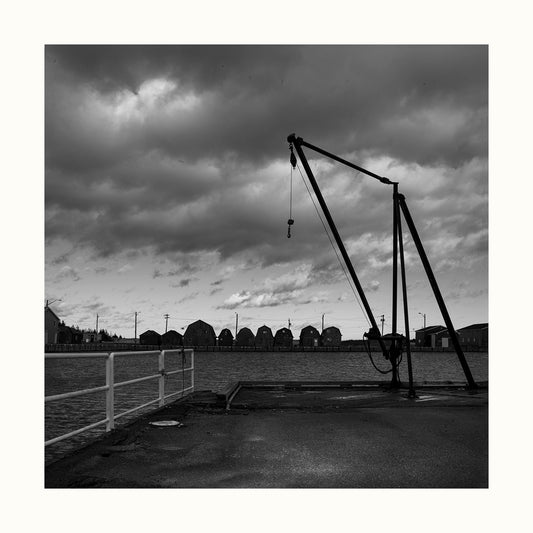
<point>436,292</point>
<point>412,393</point>
<point>394,351</point>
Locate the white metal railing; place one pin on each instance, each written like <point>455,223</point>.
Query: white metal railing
<point>110,385</point>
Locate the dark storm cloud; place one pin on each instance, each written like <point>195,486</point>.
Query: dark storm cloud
<point>421,103</point>
<point>172,148</point>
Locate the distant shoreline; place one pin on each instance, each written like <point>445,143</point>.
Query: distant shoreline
<point>123,347</point>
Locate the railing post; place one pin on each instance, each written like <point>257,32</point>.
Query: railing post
<point>162,378</point>
<point>110,394</point>
<point>192,371</point>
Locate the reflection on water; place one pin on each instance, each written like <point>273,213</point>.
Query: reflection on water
<point>213,370</point>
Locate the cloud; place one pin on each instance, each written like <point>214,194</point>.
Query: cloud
<point>373,286</point>
<point>287,288</point>
<point>125,268</point>
<point>183,282</point>
<point>180,152</point>
<point>189,297</point>
<point>67,272</point>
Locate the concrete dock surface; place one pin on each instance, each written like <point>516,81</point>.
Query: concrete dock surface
<point>294,435</point>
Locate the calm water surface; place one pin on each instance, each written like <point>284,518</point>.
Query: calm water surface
<point>213,370</point>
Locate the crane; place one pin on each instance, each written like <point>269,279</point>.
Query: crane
<point>399,206</point>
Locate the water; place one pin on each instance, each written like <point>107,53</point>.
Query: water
<point>213,370</point>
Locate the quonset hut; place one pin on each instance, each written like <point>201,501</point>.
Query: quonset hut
<point>225,338</point>
<point>245,337</point>
<point>331,336</point>
<point>283,338</point>
<point>199,333</point>
<point>172,338</point>
<point>309,336</point>
<point>150,338</point>
<point>264,338</point>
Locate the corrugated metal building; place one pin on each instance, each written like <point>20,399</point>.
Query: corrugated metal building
<point>331,336</point>
<point>474,335</point>
<point>427,336</point>
<point>245,337</point>
<point>309,336</point>
<point>264,338</point>
<point>283,337</point>
<point>172,338</point>
<point>225,338</point>
<point>150,338</point>
<point>199,333</point>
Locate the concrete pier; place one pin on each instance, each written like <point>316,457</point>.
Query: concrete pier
<point>295,435</point>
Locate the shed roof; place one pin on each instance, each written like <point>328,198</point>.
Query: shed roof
<point>46,308</point>
<point>482,325</point>
<point>430,329</point>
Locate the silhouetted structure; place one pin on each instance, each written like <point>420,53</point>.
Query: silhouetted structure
<point>245,337</point>
<point>474,335</point>
<point>264,338</point>
<point>331,336</point>
<point>172,338</point>
<point>309,336</point>
<point>199,333</point>
<point>69,335</point>
<point>225,338</point>
<point>150,338</point>
<point>427,336</point>
<point>51,326</point>
<point>283,338</point>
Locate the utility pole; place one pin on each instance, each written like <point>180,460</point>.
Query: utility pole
<point>97,323</point>
<point>382,323</point>
<point>289,323</point>
<point>424,315</point>
<point>236,324</point>
<point>166,316</point>
<point>323,314</point>
<point>135,327</point>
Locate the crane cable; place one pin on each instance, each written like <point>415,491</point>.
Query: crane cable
<point>294,163</point>
<point>332,245</point>
<point>290,222</point>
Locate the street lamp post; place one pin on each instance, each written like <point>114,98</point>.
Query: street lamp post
<point>382,323</point>
<point>136,313</point>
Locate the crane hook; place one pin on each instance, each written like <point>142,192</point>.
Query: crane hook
<point>290,222</point>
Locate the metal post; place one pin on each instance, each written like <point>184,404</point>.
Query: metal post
<point>412,393</point>
<point>436,292</point>
<point>192,371</point>
<point>135,327</point>
<point>110,393</point>
<point>394,355</point>
<point>162,378</point>
<point>297,142</point>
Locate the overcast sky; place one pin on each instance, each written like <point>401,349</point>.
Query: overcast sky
<point>167,182</point>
